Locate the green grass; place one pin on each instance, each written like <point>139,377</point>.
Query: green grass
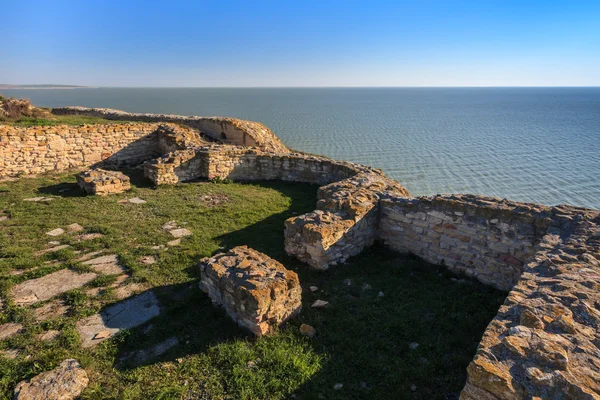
<point>59,120</point>
<point>362,338</point>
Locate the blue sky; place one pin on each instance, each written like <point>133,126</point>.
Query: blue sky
<point>301,43</point>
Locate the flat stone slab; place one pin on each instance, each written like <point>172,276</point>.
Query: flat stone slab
<point>124,315</point>
<point>142,356</point>
<point>52,249</point>
<point>48,286</point>
<point>107,265</point>
<point>65,382</point>
<point>137,200</point>
<point>10,329</point>
<point>53,309</point>
<point>180,232</point>
<point>38,199</point>
<point>49,335</point>
<point>75,228</point>
<point>56,232</point>
<point>11,354</point>
<point>88,236</point>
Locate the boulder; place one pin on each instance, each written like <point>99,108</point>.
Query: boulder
<point>65,382</point>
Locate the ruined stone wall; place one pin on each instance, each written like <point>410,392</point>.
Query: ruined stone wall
<point>347,216</point>
<point>29,151</point>
<point>485,238</point>
<point>225,130</point>
<point>544,341</point>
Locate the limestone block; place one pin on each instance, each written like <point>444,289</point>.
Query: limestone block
<point>102,182</point>
<point>257,292</point>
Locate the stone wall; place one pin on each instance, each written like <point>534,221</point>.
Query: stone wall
<point>225,130</point>
<point>484,238</point>
<point>544,342</point>
<point>30,151</point>
<point>348,207</point>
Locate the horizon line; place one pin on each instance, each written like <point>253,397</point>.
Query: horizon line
<point>67,86</point>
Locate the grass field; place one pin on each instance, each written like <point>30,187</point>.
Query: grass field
<point>54,120</point>
<point>380,302</point>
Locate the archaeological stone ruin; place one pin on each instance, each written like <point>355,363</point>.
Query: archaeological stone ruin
<point>544,342</point>
<point>256,291</point>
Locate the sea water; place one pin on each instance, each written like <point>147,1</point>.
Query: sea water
<point>527,144</point>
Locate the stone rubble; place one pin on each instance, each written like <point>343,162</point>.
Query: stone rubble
<point>257,292</point>
<point>101,182</point>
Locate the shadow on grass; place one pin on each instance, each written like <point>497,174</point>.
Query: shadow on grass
<point>396,327</point>
<point>64,189</point>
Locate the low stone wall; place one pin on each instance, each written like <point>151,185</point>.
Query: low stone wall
<point>225,130</point>
<point>30,151</point>
<point>484,238</point>
<point>346,221</point>
<point>544,342</point>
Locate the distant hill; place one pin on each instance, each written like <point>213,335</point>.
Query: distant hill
<point>41,86</point>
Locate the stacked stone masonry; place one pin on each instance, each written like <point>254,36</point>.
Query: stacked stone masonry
<point>225,130</point>
<point>257,292</point>
<point>545,340</point>
<point>35,150</point>
<point>101,182</point>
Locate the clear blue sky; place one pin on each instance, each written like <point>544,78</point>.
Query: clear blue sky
<point>301,43</point>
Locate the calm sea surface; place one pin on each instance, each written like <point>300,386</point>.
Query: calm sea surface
<point>527,144</point>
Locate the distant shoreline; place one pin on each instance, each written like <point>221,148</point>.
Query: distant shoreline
<point>38,87</point>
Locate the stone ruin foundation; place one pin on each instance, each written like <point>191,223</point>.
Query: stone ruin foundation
<point>257,292</point>
<point>102,182</point>
<point>544,342</point>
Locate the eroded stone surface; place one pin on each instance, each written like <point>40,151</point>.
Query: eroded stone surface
<point>124,315</point>
<point>180,232</point>
<point>256,291</point>
<point>543,343</point>
<point>107,265</point>
<point>48,286</point>
<point>9,329</point>
<point>52,309</point>
<point>65,382</point>
<point>55,232</point>
<point>101,182</point>
<point>49,335</point>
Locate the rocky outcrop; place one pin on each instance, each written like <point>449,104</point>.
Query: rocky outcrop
<point>225,130</point>
<point>257,292</point>
<point>65,382</point>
